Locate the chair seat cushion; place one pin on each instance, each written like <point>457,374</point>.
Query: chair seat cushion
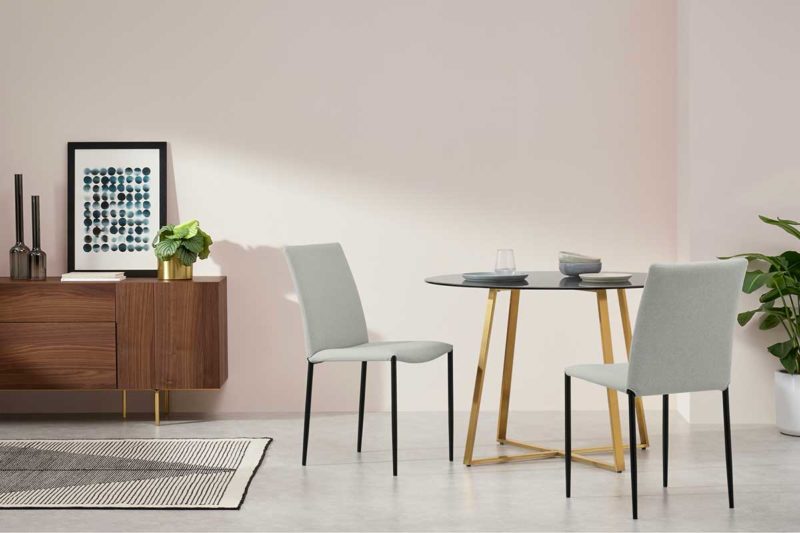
<point>614,376</point>
<point>405,351</point>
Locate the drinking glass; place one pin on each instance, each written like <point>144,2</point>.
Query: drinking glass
<point>505,261</point>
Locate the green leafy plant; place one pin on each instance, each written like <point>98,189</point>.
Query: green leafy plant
<point>780,303</point>
<point>186,242</point>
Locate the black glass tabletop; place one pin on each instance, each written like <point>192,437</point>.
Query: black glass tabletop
<point>540,280</point>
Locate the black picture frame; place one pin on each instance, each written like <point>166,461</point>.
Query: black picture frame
<point>159,209</point>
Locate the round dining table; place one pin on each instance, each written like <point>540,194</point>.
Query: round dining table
<point>547,281</point>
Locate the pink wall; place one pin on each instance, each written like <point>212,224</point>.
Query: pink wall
<point>739,125</point>
<point>422,135</point>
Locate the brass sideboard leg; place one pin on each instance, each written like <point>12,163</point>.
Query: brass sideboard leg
<point>157,407</point>
<point>124,403</point>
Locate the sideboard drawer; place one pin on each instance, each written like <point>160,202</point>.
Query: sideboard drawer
<point>58,356</point>
<point>34,301</point>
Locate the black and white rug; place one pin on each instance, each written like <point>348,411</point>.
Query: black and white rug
<point>128,473</point>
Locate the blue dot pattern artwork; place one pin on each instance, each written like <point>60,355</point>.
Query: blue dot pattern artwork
<point>116,209</point>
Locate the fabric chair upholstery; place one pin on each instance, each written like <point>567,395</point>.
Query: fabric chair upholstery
<point>329,300</point>
<point>405,351</point>
<point>613,376</point>
<point>333,317</point>
<point>684,331</point>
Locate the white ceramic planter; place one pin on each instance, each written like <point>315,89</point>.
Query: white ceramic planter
<point>787,403</point>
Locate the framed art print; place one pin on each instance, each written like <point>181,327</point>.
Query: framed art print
<point>117,201</point>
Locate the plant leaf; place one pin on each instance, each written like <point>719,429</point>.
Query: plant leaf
<point>187,230</point>
<point>163,233</point>
<point>780,312</point>
<point>790,363</point>
<point>755,256</point>
<point>786,225</point>
<point>774,294</point>
<point>778,281</point>
<point>781,349</point>
<point>769,321</point>
<point>782,220</point>
<point>207,242</point>
<point>792,259</point>
<point>745,317</point>
<point>166,249</point>
<point>195,244</point>
<point>755,279</point>
<point>770,296</point>
<point>185,256</point>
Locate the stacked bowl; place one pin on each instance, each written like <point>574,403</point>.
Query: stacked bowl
<point>572,264</point>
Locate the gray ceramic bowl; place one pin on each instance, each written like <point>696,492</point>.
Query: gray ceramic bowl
<point>573,269</point>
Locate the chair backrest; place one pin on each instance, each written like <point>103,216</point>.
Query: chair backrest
<point>684,329</point>
<point>329,301</point>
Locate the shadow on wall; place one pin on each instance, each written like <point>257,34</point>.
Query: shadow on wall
<point>266,345</point>
<point>173,213</point>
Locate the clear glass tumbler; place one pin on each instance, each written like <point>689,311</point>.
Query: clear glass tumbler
<point>505,262</point>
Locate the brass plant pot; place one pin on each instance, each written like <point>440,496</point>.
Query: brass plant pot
<point>172,269</point>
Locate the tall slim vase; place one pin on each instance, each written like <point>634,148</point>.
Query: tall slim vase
<point>19,253</point>
<point>38,259</point>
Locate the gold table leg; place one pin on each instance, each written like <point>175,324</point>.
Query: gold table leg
<point>157,407</point>
<point>541,452</point>
<point>626,330</point>
<point>481,374</point>
<point>508,365</point>
<point>124,403</point>
<point>608,358</point>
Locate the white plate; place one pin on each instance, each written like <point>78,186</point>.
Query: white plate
<point>494,276</point>
<point>606,277</point>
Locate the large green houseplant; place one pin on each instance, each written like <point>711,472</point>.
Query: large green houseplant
<point>778,277</point>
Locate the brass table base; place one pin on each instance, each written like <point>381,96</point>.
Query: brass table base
<point>541,452</point>
<point>578,455</point>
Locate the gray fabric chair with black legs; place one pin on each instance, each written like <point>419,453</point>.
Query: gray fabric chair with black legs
<point>682,343</point>
<point>335,330</point>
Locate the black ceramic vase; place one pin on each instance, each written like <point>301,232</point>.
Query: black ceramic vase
<point>19,253</point>
<point>38,259</point>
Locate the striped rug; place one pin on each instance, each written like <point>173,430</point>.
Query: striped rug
<point>128,473</point>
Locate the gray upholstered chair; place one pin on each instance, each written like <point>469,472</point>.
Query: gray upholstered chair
<point>336,330</point>
<point>682,343</point>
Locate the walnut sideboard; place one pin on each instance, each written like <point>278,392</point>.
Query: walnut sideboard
<point>136,334</point>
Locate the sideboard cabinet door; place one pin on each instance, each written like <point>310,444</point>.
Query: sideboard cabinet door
<point>191,334</point>
<point>136,366</point>
<point>52,301</point>
<point>60,355</point>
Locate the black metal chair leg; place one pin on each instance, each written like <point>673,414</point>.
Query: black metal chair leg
<point>726,417</point>
<point>632,430</point>
<point>450,403</point>
<point>665,434</point>
<point>361,398</point>
<point>309,382</point>
<point>568,431</point>
<point>394,415</point>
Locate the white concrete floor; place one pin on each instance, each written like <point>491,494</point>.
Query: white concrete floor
<point>340,490</point>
